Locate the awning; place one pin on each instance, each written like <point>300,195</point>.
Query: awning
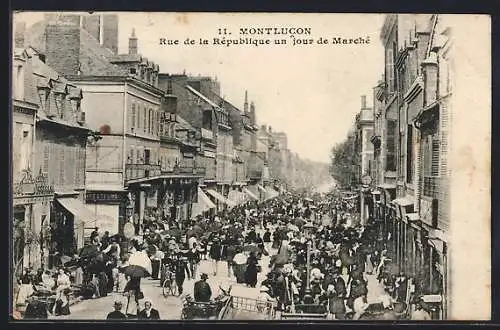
<point>403,202</point>
<point>236,197</point>
<point>204,204</point>
<point>437,244</point>
<point>251,194</point>
<point>103,187</point>
<point>387,186</point>
<point>77,208</point>
<point>412,216</point>
<point>271,193</point>
<point>261,188</point>
<point>219,197</point>
<point>375,192</point>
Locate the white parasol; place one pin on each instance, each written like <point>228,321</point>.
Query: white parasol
<point>140,259</point>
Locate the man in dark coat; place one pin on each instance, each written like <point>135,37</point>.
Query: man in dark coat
<point>35,309</point>
<point>202,290</point>
<point>148,313</point>
<point>117,313</point>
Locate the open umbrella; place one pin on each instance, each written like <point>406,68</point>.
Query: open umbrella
<point>135,271</point>
<point>89,251</point>
<point>299,222</point>
<point>174,232</point>
<point>140,259</point>
<point>309,225</point>
<point>65,259</point>
<point>251,248</point>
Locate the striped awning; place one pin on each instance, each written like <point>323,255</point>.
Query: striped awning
<point>251,194</point>
<point>77,208</point>
<point>220,198</point>
<point>203,205</point>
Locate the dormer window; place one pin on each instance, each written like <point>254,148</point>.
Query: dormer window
<point>75,107</point>
<point>43,94</point>
<point>59,98</point>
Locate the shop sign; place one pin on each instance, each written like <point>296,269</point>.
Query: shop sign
<point>432,298</point>
<point>103,197</point>
<point>128,230</point>
<point>31,200</point>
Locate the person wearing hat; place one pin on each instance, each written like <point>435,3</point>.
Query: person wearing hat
<point>117,313</point>
<point>337,304</point>
<point>148,313</point>
<point>202,291</point>
<point>419,313</point>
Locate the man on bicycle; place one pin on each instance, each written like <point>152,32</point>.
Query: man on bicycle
<point>202,290</point>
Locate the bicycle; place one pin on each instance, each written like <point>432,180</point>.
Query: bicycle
<point>169,286</point>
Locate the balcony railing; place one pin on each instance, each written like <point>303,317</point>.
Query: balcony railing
<point>430,186</point>
<point>195,170</point>
<point>141,171</point>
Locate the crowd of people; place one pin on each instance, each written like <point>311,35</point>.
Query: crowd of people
<point>320,260</point>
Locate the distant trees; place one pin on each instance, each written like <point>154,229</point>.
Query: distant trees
<point>344,162</point>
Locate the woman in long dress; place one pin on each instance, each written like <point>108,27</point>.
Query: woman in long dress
<point>251,271</point>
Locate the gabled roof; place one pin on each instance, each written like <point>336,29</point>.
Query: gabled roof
<point>201,96</point>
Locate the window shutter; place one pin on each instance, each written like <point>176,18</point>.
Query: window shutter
<point>78,165</point>
<point>63,164</point>
<point>70,165</point>
<point>131,117</point>
<point>145,119</point>
<point>46,157</point>
<point>138,117</point>
<point>435,156</point>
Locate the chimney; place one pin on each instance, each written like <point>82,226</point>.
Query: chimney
<point>132,44</point>
<point>253,118</point>
<point>19,39</point>
<point>363,101</point>
<point>110,32</point>
<point>63,44</point>
<point>170,98</point>
<point>245,105</point>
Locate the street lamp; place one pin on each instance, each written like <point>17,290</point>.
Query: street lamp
<point>307,292</point>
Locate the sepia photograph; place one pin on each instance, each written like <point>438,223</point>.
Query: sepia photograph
<point>250,166</point>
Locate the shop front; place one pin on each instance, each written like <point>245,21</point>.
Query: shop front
<point>32,199</point>
<point>70,219</point>
<point>403,231</point>
<point>109,208</point>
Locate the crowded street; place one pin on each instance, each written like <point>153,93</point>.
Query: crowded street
<point>334,268</point>
<point>189,180</point>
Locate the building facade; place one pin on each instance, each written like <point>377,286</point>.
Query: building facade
<point>411,187</point>
<point>50,137</point>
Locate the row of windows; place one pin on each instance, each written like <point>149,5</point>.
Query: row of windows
<point>150,121</point>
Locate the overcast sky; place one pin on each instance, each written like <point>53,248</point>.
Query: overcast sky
<point>310,92</point>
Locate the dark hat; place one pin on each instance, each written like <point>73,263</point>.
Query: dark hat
<point>204,276</point>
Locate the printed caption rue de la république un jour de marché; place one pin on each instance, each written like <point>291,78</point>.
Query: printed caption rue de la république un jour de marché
<point>265,36</point>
